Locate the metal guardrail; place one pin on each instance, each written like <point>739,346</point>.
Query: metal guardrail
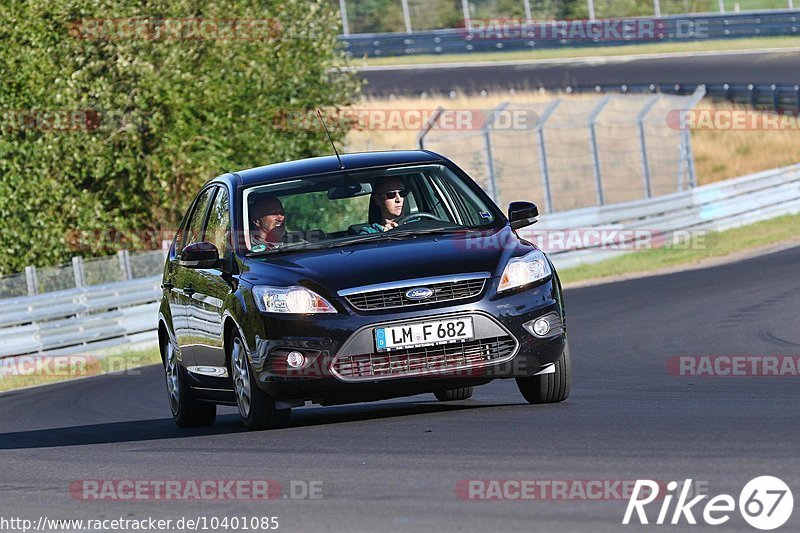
<point>101,316</point>
<point>677,28</point>
<point>715,207</point>
<point>779,97</point>
<point>79,319</point>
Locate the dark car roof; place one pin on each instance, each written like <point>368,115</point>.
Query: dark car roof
<point>322,165</point>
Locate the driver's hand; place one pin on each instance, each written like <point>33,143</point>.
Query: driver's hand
<point>389,225</point>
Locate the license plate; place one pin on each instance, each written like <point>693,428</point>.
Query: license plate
<point>424,334</point>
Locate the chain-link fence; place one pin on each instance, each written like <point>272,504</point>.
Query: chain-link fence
<point>581,152</point>
<point>406,16</point>
<point>83,272</point>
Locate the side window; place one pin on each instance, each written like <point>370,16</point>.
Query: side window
<point>194,229</point>
<point>218,227</point>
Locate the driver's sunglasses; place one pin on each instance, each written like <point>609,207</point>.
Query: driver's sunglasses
<point>391,194</point>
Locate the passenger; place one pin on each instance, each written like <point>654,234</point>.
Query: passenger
<point>267,219</point>
<point>388,196</point>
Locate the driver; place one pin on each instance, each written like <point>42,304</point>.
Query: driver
<point>389,195</point>
<point>267,223</point>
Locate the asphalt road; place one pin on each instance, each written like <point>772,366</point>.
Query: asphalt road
<point>733,68</point>
<point>395,465</point>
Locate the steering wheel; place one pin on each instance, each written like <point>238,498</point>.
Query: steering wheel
<point>413,216</point>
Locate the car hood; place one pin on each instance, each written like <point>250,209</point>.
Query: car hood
<point>334,269</point>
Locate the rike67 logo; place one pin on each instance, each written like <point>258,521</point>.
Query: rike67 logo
<point>765,503</point>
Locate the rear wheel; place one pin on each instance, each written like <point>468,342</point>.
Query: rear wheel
<point>549,388</point>
<point>449,395</point>
<point>187,411</point>
<point>256,408</point>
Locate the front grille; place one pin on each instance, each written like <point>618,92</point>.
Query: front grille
<point>396,297</point>
<point>424,361</point>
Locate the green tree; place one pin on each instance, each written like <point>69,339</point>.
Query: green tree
<point>104,129</point>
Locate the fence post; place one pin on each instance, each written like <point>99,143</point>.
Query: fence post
<point>427,128</point>
<point>343,13</point>
<point>598,181</point>
<point>467,21</point>
<point>487,142</point>
<point>656,8</point>
<point>591,9</point>
<point>648,190</point>
<point>698,95</point>
<point>526,4</point>
<point>681,161</point>
<point>77,269</point>
<point>32,280</point>
<point>690,158</point>
<point>406,15</point>
<point>548,197</point>
<point>125,264</point>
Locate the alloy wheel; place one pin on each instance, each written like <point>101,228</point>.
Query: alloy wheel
<point>241,378</point>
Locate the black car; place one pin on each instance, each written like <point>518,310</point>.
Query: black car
<point>331,281</point>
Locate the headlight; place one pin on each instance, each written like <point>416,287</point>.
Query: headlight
<point>523,270</point>
<point>295,300</point>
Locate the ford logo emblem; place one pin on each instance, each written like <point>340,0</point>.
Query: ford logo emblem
<point>419,293</point>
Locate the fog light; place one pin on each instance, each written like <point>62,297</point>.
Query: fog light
<point>295,359</point>
<point>541,327</point>
<point>545,327</point>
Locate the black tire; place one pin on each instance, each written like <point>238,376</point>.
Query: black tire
<point>187,410</point>
<point>549,388</point>
<point>256,407</point>
<point>449,395</point>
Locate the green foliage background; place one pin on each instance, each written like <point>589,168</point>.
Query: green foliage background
<point>171,114</point>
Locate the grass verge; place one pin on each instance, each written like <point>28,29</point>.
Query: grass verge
<point>27,371</point>
<point>568,53</point>
<point>713,245</point>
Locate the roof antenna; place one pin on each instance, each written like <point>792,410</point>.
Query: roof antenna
<point>319,114</point>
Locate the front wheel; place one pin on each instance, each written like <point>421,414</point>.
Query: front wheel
<point>450,395</point>
<point>549,388</point>
<point>256,408</point>
<point>187,411</point>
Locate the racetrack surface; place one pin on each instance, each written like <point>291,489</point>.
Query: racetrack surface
<point>394,465</point>
<point>778,67</point>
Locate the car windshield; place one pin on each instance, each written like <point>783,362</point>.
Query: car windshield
<point>360,205</point>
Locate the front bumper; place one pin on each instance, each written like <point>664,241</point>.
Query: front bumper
<point>332,338</point>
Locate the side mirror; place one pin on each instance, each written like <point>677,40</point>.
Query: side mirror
<point>200,255</point>
<point>522,214</point>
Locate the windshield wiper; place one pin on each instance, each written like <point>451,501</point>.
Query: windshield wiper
<point>392,235</point>
<point>430,231</point>
<point>370,237</point>
<point>286,247</point>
